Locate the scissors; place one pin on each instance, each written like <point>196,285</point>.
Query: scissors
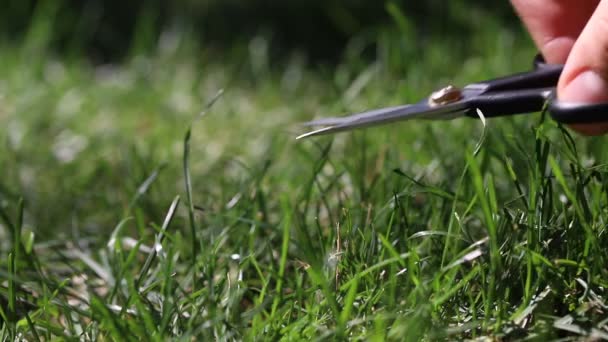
<point>519,93</point>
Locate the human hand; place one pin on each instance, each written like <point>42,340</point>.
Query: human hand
<point>574,32</point>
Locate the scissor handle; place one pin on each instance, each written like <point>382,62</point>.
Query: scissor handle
<point>543,76</point>
<point>571,113</point>
<point>539,62</point>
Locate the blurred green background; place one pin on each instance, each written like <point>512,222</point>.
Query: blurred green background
<point>108,30</point>
<point>120,82</point>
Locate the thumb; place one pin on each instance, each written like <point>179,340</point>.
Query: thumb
<point>585,75</point>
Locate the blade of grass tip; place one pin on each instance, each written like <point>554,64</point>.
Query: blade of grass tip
<point>188,183</point>
<point>145,185</point>
<point>158,241</point>
<point>210,103</point>
<point>113,242</point>
<point>283,261</point>
<point>30,239</point>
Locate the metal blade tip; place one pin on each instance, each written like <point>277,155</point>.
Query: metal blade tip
<point>315,132</point>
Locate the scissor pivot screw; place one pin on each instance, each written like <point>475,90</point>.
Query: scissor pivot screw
<point>445,95</point>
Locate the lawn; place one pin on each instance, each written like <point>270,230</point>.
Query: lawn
<point>166,197</point>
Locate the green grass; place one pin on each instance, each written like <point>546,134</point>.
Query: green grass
<point>434,230</point>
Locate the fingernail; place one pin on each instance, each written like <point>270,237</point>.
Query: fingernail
<point>587,87</point>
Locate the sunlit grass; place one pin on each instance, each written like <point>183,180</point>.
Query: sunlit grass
<point>418,230</point>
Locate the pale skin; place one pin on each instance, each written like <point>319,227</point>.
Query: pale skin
<point>574,32</point>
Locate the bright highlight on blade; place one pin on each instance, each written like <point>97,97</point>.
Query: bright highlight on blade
<point>382,116</point>
<point>321,131</point>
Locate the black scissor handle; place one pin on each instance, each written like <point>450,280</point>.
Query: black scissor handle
<point>539,62</point>
<point>572,113</point>
<point>542,75</point>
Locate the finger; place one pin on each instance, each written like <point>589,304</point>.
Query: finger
<point>555,24</point>
<point>585,75</point>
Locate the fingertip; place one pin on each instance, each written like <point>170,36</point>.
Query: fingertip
<point>556,50</point>
<point>585,76</point>
<point>588,86</point>
<point>554,24</point>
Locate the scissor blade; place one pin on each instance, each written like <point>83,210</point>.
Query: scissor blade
<point>385,115</point>
<point>334,121</point>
